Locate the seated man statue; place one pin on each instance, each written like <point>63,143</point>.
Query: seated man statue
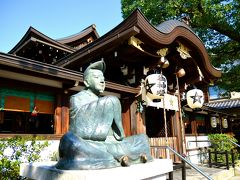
<point>96,137</point>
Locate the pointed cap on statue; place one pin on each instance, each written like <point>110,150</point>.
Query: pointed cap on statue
<point>99,65</point>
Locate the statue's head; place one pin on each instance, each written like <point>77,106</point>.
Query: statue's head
<point>93,77</point>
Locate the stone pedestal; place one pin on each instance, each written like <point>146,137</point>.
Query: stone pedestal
<point>157,169</point>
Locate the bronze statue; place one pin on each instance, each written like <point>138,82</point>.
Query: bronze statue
<point>96,137</point>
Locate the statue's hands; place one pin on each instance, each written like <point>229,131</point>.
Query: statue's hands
<point>118,137</point>
<point>118,131</point>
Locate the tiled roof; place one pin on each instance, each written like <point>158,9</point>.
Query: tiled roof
<point>224,104</point>
<point>170,25</point>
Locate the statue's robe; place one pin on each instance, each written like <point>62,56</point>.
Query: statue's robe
<point>96,137</point>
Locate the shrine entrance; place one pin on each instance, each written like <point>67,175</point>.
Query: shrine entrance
<point>155,122</point>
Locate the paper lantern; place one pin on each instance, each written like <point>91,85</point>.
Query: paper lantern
<point>195,98</point>
<point>213,121</point>
<point>156,86</point>
<point>224,123</point>
<point>163,62</point>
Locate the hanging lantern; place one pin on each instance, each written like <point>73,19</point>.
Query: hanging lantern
<point>181,72</point>
<point>156,86</point>
<point>213,121</point>
<point>195,98</point>
<point>224,123</point>
<point>165,64</point>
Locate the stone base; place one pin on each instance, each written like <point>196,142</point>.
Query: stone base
<point>157,169</point>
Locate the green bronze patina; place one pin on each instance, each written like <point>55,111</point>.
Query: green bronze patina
<point>96,137</point>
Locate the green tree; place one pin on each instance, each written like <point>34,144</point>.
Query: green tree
<point>216,22</point>
<point>17,150</point>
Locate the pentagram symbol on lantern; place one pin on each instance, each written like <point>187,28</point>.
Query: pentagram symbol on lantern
<point>148,86</point>
<point>196,98</point>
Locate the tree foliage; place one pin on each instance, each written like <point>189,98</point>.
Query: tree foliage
<point>216,22</point>
<point>17,150</point>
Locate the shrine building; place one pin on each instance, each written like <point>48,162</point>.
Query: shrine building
<point>39,75</point>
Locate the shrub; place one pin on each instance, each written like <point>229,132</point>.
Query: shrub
<point>54,156</point>
<point>17,150</point>
<point>222,143</point>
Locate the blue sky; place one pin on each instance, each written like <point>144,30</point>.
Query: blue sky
<point>55,18</point>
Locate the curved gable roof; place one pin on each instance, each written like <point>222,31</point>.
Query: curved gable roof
<point>165,34</point>
<point>83,33</point>
<point>174,28</point>
<point>35,35</point>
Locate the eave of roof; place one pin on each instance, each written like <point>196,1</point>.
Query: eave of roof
<point>96,47</point>
<point>165,34</point>
<point>54,71</point>
<point>36,66</point>
<point>224,104</point>
<point>30,33</point>
<point>83,33</point>
<point>208,110</point>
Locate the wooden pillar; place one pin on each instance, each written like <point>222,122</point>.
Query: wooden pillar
<point>133,121</point>
<point>177,132</point>
<point>141,128</point>
<point>193,124</point>
<point>129,115</point>
<point>65,113</point>
<point>65,119</point>
<point>126,118</point>
<point>133,109</point>
<point>62,114</point>
<point>58,116</point>
<point>126,122</point>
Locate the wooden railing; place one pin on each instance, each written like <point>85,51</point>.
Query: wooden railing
<point>157,152</point>
<point>222,162</point>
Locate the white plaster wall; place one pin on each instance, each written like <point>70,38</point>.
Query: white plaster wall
<point>192,148</point>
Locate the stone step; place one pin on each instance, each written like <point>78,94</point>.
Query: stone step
<point>234,178</point>
<point>224,175</point>
<point>215,173</point>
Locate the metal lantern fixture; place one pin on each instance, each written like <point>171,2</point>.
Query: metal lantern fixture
<point>181,72</point>
<point>195,98</point>
<point>163,62</point>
